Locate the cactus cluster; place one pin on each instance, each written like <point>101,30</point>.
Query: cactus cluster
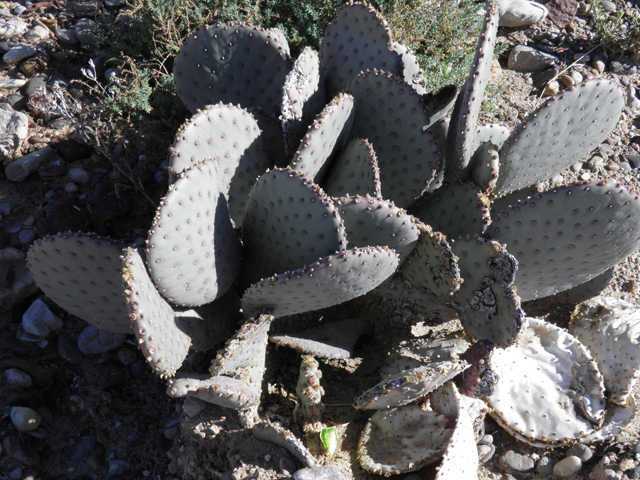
<point>298,185</point>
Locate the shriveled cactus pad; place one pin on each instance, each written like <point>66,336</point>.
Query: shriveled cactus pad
<point>83,274</point>
<point>192,251</point>
<point>617,420</point>
<point>610,329</point>
<point>550,391</point>
<point>329,281</point>
<point>568,235</point>
<point>163,343</point>
<point>225,391</point>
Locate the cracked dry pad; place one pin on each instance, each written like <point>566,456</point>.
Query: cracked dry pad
<point>550,391</point>
<point>230,135</point>
<point>192,251</point>
<point>610,329</point>
<point>289,222</point>
<point>225,391</point>
<point>488,306</point>
<point>329,281</point>
<point>354,172</point>
<point>568,235</point>
<point>371,221</point>
<point>326,136</point>
<point>391,115</point>
<point>231,63</point>
<point>83,274</point>
<point>561,132</point>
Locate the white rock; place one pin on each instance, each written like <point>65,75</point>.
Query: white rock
<point>38,320</point>
<point>18,53</point>
<point>527,59</point>
<point>567,467</point>
<point>14,127</point>
<point>520,13</point>
<point>37,34</point>
<point>10,27</point>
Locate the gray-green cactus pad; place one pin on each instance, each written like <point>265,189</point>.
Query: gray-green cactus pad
<point>193,252</point>
<point>391,115</point>
<point>432,265</point>
<point>83,274</point>
<point>230,135</point>
<point>491,133</point>
<point>303,97</point>
<point>354,172</point>
<point>550,391</point>
<point>272,135</point>
<point>210,324</point>
<point>163,344</point>
<point>610,329</point>
<point>568,235</point>
<point>407,386</point>
<point>244,355</point>
<point>225,391</point>
<point>333,341</point>
<point>231,63</point>
<point>485,167</point>
<point>329,281</point>
<point>394,440</point>
<point>423,350</point>
<point>489,308</point>
<point>371,221</point>
<point>326,136</point>
<point>357,40</point>
<point>455,209</point>
<point>561,132</point>
<point>288,222</point>
<point>586,290</point>
<point>439,103</point>
<point>461,141</point>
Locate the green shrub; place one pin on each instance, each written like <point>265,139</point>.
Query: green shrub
<point>619,36</point>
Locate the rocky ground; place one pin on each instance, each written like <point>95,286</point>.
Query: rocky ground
<point>103,413</point>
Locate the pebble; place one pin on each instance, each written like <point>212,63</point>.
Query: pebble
<point>552,88</point>
<point>78,176</point>
<point>18,53</point>
<point>577,76</point>
<point>514,462</point>
<point>37,34</point>
<point>567,80</point>
<point>486,439</point>
<point>598,65</point>
<point>68,350</point>
<point>82,448</point>
<point>67,35</point>
<point>595,162</point>
<point>544,466</point>
<point>319,473</point>
<point>19,170</point>
<point>39,320</point>
<point>582,451</point>
<point>485,452</point>
<point>117,467</point>
<point>11,83</point>
<point>71,187</point>
<point>14,128</point>
<point>18,379</point>
<point>567,466</point>
<point>27,236</point>
<point>84,29</point>
<point>527,59</point>
<point>93,340</point>
<point>557,180</point>
<point>19,450</point>
<point>626,464</point>
<point>11,255</point>
<point>24,418</point>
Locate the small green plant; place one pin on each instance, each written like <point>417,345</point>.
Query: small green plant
<point>616,32</point>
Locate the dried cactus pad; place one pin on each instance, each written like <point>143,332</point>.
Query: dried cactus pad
<point>561,132</point>
<point>550,391</point>
<point>423,350</point>
<point>326,136</point>
<point>163,344</point>
<point>230,135</point>
<point>304,96</point>
<point>402,439</point>
<point>289,222</point>
<point>568,235</point>
<point>391,115</point>
<point>329,281</point>
<point>225,391</point>
<point>610,329</point>
<point>357,40</point>
<point>407,386</point>
<point>83,274</point>
<point>371,221</point>
<point>231,63</point>
<point>193,252</point>
<point>617,420</point>
<point>489,308</point>
<point>456,210</point>
<point>354,172</point>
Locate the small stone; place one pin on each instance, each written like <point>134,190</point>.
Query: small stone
<point>626,464</point>
<point>562,12</point>
<point>557,180</point>
<point>567,80</point>
<point>19,170</point>
<point>18,53</point>
<point>577,76</point>
<point>18,379</point>
<point>582,451</point>
<point>486,440</point>
<point>625,167</point>
<point>11,27</point>
<point>527,59</point>
<point>193,406</point>
<point>83,448</point>
<point>595,162</point>
<point>24,418</point>
<point>319,473</point>
<point>39,320</point>
<point>36,34</point>
<point>68,350</point>
<point>27,236</point>
<point>552,88</point>
<point>117,467</point>
<point>78,176</point>
<point>93,340</point>
<point>520,13</point>
<point>11,83</point>
<point>540,79</point>
<point>605,150</point>
<point>634,474</point>
<point>567,466</point>
<point>67,35</point>
<point>85,29</point>
<point>71,187</point>
<point>485,452</point>
<point>544,466</point>
<point>576,167</point>
<point>514,462</point>
<point>608,6</point>
<point>11,255</point>
<point>598,65</point>
<point>14,128</point>
<point>19,450</point>
<point>585,177</point>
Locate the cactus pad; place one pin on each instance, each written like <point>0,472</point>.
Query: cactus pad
<point>231,63</point>
<point>329,281</point>
<point>303,97</point>
<point>610,329</point>
<point>224,391</point>
<point>586,290</point>
<point>326,136</point>
<point>231,136</point>
<point>394,440</point>
<point>568,235</point>
<point>163,344</point>
<point>355,171</point>
<point>83,274</point>
<point>491,133</point>
<point>423,350</point>
<point>617,419</point>
<point>192,251</point>
<point>391,115</point>
<point>309,393</point>
<point>439,103</point>
<point>371,221</point>
<point>485,167</point>
<point>490,309</point>
<point>561,132</point>
<point>455,209</point>
<point>550,391</point>
<point>289,222</point>
<point>479,379</point>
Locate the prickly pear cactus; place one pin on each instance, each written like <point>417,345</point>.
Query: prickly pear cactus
<point>309,392</point>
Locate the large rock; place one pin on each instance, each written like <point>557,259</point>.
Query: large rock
<point>520,13</point>
<point>19,170</point>
<point>14,127</point>
<point>527,59</point>
<point>562,12</point>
